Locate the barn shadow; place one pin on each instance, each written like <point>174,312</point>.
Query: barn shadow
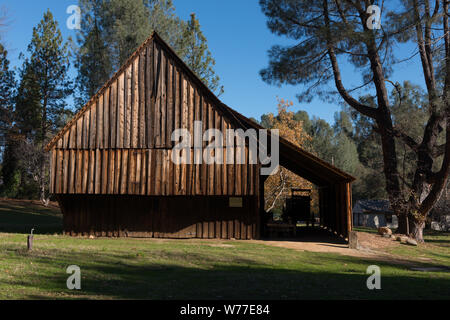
<point>312,234</point>
<point>244,279</point>
<point>440,241</point>
<point>20,216</point>
<point>441,235</point>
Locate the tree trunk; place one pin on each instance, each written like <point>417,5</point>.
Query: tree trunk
<point>416,230</point>
<point>42,183</point>
<point>402,223</point>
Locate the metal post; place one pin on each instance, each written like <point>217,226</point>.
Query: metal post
<point>30,241</point>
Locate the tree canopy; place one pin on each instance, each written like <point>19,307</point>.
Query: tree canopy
<point>111,30</point>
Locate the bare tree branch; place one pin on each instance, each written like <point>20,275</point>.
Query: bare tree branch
<point>366,110</point>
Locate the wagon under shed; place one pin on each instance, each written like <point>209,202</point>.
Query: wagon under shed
<point>111,168</point>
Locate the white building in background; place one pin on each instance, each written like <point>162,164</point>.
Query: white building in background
<point>374,214</point>
<point>378,213</point>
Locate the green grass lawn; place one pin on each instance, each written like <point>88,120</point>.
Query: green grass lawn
<point>196,269</point>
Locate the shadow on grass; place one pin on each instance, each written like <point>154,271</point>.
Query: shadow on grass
<point>22,216</point>
<point>445,242</point>
<point>309,234</point>
<point>134,277</point>
<point>429,232</point>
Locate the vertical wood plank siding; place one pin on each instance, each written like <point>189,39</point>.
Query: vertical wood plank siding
<point>159,217</point>
<point>143,172</point>
<point>122,143</point>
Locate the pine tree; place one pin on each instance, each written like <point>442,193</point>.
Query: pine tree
<point>127,25</point>
<point>111,30</point>
<point>328,32</point>
<point>42,94</point>
<point>93,60</point>
<point>27,111</point>
<point>169,26</point>
<point>7,88</point>
<point>198,57</point>
<point>9,168</point>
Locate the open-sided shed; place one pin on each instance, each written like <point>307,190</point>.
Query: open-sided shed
<point>111,168</point>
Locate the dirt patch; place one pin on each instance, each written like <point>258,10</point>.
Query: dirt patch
<point>374,241</point>
<point>315,246</point>
<point>221,245</point>
<point>370,247</point>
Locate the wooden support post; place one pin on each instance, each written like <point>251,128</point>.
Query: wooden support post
<point>30,241</point>
<point>353,240</point>
<point>349,209</point>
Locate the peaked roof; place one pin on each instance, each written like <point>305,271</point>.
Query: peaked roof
<point>292,157</point>
<point>372,206</point>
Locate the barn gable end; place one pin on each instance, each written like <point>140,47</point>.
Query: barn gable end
<point>120,142</point>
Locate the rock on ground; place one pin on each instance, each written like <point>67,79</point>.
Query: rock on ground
<point>384,230</point>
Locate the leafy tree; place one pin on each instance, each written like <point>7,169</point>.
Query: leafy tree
<point>326,31</point>
<point>346,154</point>
<point>278,186</point>
<point>370,182</point>
<point>322,139</point>
<point>307,124</point>
<point>42,93</point>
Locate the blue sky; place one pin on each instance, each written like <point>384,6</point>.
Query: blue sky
<point>238,39</point>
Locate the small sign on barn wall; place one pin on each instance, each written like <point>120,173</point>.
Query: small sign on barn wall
<point>235,202</point>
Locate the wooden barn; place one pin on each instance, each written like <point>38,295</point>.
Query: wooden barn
<point>111,168</point>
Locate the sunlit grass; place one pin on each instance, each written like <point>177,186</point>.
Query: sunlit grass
<point>195,269</point>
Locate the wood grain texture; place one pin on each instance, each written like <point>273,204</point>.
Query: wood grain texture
<point>184,217</point>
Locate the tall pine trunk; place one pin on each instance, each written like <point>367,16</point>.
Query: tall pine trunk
<point>42,182</point>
